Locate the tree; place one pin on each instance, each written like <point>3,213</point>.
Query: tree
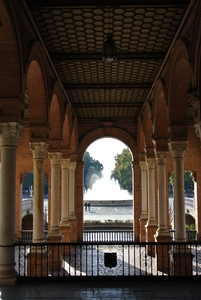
<point>188,180</point>
<point>92,171</point>
<point>123,171</point>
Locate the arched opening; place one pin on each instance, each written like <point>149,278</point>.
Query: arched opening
<point>108,187</point>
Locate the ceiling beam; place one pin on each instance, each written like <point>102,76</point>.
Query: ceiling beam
<point>94,57</point>
<point>103,105</point>
<point>105,86</point>
<point>90,3</point>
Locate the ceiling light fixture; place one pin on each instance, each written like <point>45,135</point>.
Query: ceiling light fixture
<point>109,51</point>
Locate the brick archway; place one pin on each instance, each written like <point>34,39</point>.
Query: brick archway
<point>91,137</point>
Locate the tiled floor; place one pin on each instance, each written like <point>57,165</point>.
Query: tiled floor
<point>149,289</point>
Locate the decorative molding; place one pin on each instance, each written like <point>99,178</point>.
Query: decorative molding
<point>150,163</point>
<point>65,163</point>
<point>161,157</point>
<point>178,148</point>
<point>72,166</point>
<point>143,166</point>
<point>39,150</point>
<point>198,130</point>
<point>10,133</point>
<point>55,158</point>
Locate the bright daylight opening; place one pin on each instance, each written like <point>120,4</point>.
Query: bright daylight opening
<point>108,189</point>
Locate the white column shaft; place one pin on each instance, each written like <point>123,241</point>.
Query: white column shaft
<point>178,149</point>
<point>72,190</point>
<point>161,170</point>
<point>9,134</point>
<point>151,191</point>
<point>55,159</point>
<point>143,167</point>
<point>38,150</point>
<point>65,191</point>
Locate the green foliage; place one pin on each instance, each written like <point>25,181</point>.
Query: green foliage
<point>28,181</point>
<point>92,171</point>
<point>188,180</point>
<point>123,171</point>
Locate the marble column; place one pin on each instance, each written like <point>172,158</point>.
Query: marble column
<point>72,216</point>
<point>151,191</point>
<point>178,150</point>
<point>55,160</point>
<point>64,224</point>
<point>9,134</point>
<point>144,214</point>
<point>161,174</point>
<point>38,150</point>
<point>151,225</point>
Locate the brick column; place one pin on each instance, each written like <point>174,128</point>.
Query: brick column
<point>9,134</point>
<point>144,214</point>
<point>72,216</point>
<point>65,227</point>
<point>151,225</point>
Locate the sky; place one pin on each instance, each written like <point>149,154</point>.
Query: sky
<point>105,150</point>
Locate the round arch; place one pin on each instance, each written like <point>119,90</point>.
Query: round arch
<point>99,133</point>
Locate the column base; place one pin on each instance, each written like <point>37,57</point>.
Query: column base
<point>150,233</point>
<point>162,254</point>
<point>37,263</point>
<point>143,222</point>
<point>181,263</point>
<point>73,224</point>
<point>8,275</point>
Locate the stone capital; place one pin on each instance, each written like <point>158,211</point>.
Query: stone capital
<point>198,130</point>
<point>143,166</point>
<point>178,148</point>
<point>55,158</point>
<point>39,150</point>
<point>72,166</point>
<point>161,157</point>
<point>10,133</point>
<point>150,162</point>
<point>65,163</point>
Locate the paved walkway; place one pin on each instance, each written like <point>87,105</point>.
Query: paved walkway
<point>105,290</point>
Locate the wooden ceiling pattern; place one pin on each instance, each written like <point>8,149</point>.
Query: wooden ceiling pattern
<point>73,33</point>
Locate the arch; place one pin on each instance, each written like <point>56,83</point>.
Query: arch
<point>74,140</point>
<point>10,78</point>
<point>36,94</point>
<point>148,130</point>
<point>178,86</point>
<point>99,133</point>
<point>140,139</point>
<point>66,132</point>
<point>55,124</point>
<point>160,117</point>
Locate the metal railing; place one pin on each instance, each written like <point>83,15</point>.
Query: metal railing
<point>191,235</point>
<point>27,235</point>
<point>108,236</point>
<point>69,260</point>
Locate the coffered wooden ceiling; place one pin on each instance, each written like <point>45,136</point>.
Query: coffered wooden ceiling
<point>73,33</point>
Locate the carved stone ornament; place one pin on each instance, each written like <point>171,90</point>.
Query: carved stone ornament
<point>72,166</point>
<point>198,130</point>
<point>161,157</point>
<point>151,163</point>
<point>65,163</point>
<point>10,132</point>
<point>55,158</point>
<point>39,150</point>
<point>143,166</point>
<point>178,148</point>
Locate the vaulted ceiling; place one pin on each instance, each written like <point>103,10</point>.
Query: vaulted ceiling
<point>73,33</point>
